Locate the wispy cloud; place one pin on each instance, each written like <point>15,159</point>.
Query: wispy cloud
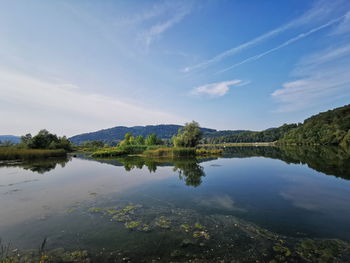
<point>30,103</point>
<point>320,77</point>
<point>175,14</point>
<point>344,26</point>
<point>319,11</point>
<point>284,44</point>
<point>154,11</point>
<point>217,89</point>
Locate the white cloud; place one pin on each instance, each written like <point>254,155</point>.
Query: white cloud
<point>28,104</point>
<point>319,11</point>
<point>320,77</point>
<point>217,89</point>
<point>177,14</point>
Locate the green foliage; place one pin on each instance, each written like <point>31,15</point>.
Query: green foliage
<point>326,128</point>
<point>93,144</point>
<point>152,139</point>
<point>128,140</point>
<point>140,140</point>
<point>46,140</point>
<point>170,152</point>
<point>188,136</point>
<point>133,149</point>
<point>269,135</point>
<point>109,152</point>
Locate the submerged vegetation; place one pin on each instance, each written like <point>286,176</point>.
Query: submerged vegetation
<point>160,233</point>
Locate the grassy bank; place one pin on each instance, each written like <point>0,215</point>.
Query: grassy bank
<point>170,152</point>
<point>239,144</point>
<point>13,153</point>
<point>154,151</point>
<point>119,151</point>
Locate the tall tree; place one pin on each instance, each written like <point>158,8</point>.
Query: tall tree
<point>188,136</point>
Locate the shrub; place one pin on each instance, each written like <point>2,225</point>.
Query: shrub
<point>110,152</point>
<point>133,149</point>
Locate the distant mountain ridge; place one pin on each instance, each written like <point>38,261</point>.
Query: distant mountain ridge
<point>163,131</point>
<point>10,138</point>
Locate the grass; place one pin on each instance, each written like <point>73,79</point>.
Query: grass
<point>119,151</point>
<point>170,152</point>
<point>239,144</point>
<point>153,151</point>
<point>14,153</point>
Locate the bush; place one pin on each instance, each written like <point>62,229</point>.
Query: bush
<point>133,149</point>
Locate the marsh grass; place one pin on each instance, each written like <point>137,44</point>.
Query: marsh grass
<point>171,152</point>
<point>14,153</point>
<point>204,151</point>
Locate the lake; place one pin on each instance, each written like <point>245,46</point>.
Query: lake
<point>252,203</point>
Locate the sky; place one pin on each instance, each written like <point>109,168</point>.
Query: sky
<point>85,65</point>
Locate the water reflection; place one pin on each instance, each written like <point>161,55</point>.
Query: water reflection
<point>328,160</point>
<point>137,209</point>
<point>189,170</point>
<point>40,166</point>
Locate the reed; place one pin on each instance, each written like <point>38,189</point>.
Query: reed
<point>171,152</point>
<point>13,153</point>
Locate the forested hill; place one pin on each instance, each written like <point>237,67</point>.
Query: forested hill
<point>116,134</point>
<point>10,138</point>
<point>269,135</point>
<point>326,128</point>
<point>330,127</point>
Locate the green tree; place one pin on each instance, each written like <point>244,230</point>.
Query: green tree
<point>46,140</point>
<point>140,140</point>
<point>188,136</point>
<point>25,139</point>
<point>151,139</point>
<point>43,140</point>
<point>128,139</point>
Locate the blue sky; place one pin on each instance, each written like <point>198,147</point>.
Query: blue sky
<point>83,65</point>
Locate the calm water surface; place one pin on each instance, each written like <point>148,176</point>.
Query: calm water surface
<point>135,209</point>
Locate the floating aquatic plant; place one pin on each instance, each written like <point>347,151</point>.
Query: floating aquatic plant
<point>186,227</point>
<point>132,224</point>
<point>198,226</point>
<point>199,234</point>
<point>163,222</point>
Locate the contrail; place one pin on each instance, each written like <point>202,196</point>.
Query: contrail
<point>322,8</point>
<point>286,43</point>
